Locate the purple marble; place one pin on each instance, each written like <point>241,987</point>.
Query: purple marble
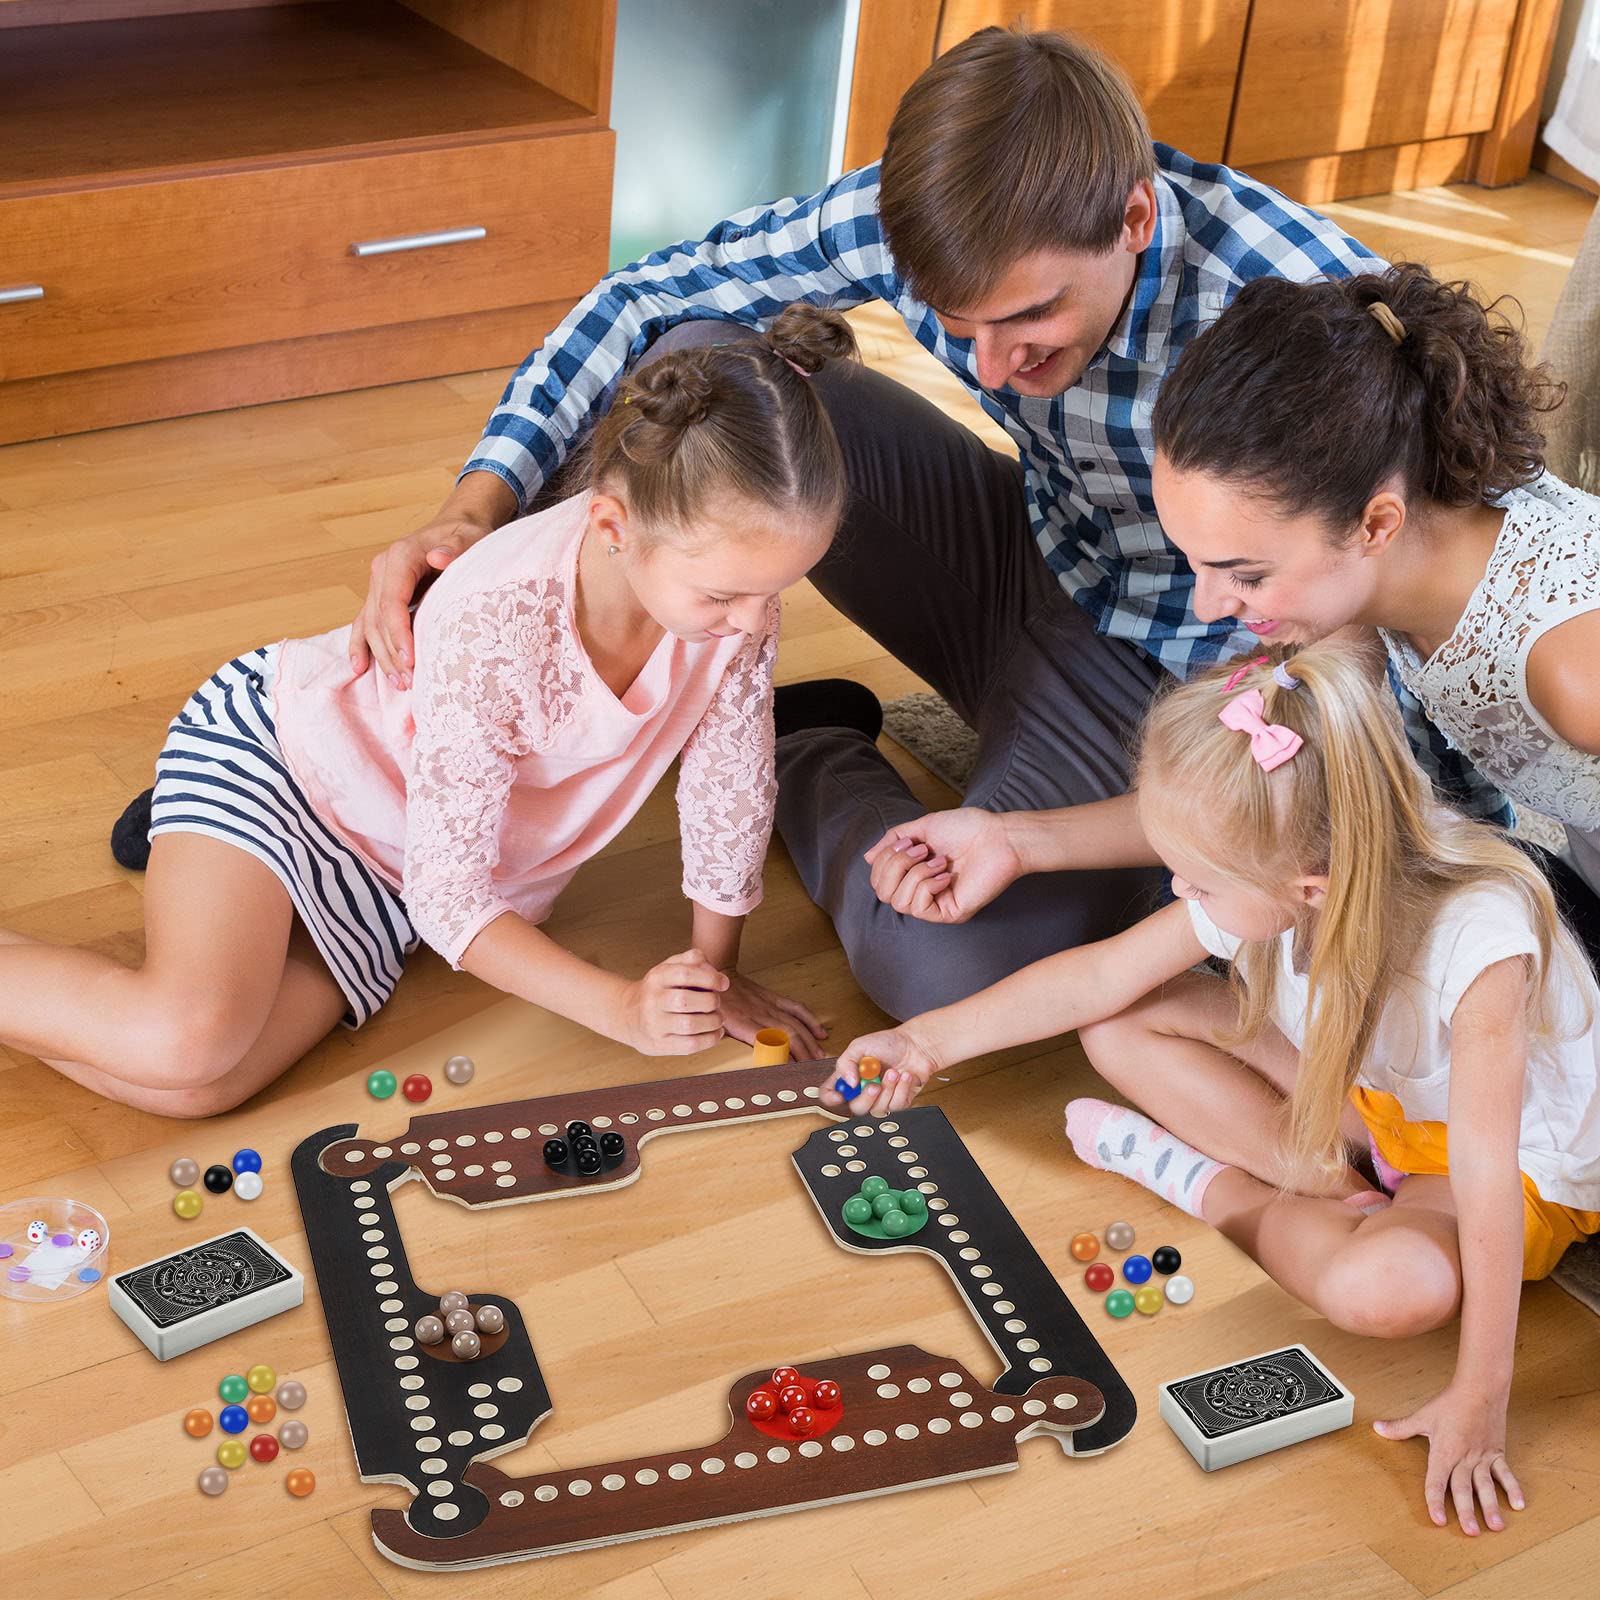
<point>5,1251</point>
<point>61,1239</point>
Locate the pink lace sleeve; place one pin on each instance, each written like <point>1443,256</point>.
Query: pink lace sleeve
<point>495,679</point>
<point>727,786</point>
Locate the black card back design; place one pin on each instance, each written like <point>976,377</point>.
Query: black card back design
<point>217,1273</point>
<point>1282,1384</point>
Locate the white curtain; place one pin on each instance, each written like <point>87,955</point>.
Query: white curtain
<point>1574,131</point>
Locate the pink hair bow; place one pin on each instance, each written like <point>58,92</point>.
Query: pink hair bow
<point>1270,742</point>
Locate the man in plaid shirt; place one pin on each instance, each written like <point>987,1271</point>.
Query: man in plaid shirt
<point>1038,244</point>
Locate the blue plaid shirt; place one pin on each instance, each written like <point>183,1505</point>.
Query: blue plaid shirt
<point>1086,454</point>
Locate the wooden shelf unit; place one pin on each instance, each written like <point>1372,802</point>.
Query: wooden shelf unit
<point>184,186</point>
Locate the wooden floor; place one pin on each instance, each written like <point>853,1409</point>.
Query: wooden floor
<point>131,563</point>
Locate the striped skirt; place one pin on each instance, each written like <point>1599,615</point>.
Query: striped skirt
<point>222,774</point>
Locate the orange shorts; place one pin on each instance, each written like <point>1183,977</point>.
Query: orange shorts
<point>1423,1147</point>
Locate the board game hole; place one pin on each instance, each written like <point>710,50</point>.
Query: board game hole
<point>831,1171</point>
<point>1002,1413</point>
<point>613,1481</point>
<point>842,1442</point>
<point>906,1430</point>
<point>679,1471</point>
<point>855,1166</point>
<point>970,1419</point>
<point>877,1372</point>
<point>628,1118</point>
<point>546,1492</point>
<point>711,1466</point>
<point>745,1459</point>
<point>1066,1401</point>
<point>811,1448</point>
<point>511,1499</point>
<point>446,1512</point>
<point>939,1425</point>
<point>919,1386</point>
<point>646,1477</point>
<point>874,1436</point>
<point>441,1490</point>
<point>777,1454</point>
<point>1027,1346</point>
<point>461,1436</point>
<point>887,1391</point>
<point>1039,1364</point>
<point>579,1486</point>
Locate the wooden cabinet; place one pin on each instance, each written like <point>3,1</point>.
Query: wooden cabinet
<point>212,207</point>
<point>1324,98</point>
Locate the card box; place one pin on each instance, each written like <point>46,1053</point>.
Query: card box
<point>184,1300</point>
<point>1249,1407</point>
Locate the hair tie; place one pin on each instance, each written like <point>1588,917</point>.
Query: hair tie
<point>1284,678</point>
<point>788,363</point>
<point>1258,661</point>
<point>1271,744</point>
<point>1388,321</point>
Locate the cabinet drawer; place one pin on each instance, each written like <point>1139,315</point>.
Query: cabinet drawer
<point>143,271</point>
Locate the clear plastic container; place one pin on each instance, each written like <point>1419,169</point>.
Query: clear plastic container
<point>51,1249</point>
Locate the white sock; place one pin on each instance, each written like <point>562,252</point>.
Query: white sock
<point>1116,1139</point>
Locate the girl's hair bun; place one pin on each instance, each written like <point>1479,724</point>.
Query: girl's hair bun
<point>810,336</point>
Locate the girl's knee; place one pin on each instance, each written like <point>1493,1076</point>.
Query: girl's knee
<point>1390,1288</point>
<point>183,1042</point>
<point>1109,1042</point>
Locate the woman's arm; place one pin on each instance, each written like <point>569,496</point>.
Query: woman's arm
<point>1052,996</point>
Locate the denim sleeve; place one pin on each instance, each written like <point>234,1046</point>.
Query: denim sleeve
<point>826,248</point>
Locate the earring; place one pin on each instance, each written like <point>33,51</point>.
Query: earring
<point>612,549</point>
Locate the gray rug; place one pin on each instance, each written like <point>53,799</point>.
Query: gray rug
<point>924,725</point>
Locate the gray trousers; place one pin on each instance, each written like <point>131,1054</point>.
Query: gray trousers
<point>937,562</point>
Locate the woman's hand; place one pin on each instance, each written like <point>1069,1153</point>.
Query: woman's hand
<point>1466,1433</point>
<point>905,1062</point>
<point>748,1006</point>
<point>945,866</point>
<point>675,1009</point>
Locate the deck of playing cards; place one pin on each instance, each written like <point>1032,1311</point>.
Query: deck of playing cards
<point>1249,1407</point>
<point>187,1299</point>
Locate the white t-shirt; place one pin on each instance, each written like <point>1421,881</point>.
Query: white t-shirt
<point>1410,1056</point>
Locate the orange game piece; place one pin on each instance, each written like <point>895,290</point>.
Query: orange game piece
<point>1085,1247</point>
<point>262,1407</point>
<point>197,1423</point>
<point>869,1069</point>
<point>300,1482</point>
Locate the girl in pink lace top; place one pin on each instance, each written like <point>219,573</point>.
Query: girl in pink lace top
<point>309,827</point>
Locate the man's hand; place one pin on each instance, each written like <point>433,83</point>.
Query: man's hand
<point>381,632</point>
<point>945,866</point>
<point>748,1006</point>
<point>1466,1434</point>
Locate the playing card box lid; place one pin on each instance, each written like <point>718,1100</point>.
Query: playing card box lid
<point>183,1300</point>
<point>1247,1408</point>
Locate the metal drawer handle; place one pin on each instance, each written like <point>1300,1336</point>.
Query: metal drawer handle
<point>417,241</point>
<point>24,291</point>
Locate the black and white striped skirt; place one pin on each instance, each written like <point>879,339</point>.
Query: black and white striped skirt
<point>222,774</point>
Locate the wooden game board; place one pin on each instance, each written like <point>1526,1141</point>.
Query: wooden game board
<point>420,1418</point>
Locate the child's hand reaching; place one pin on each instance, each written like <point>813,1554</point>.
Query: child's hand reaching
<point>1466,1434</point>
<point>675,1009</point>
<point>906,1065</point>
<point>748,1006</point>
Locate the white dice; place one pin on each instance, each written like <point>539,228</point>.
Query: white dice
<point>89,1239</point>
<point>37,1233</point>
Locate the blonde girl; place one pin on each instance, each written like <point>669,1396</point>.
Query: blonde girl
<point>1398,977</point>
<point>309,828</point>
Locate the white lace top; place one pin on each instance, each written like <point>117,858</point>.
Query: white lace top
<point>1545,569</point>
<point>509,763</point>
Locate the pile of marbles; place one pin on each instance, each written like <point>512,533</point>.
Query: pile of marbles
<point>1145,1297</point>
<point>249,1400</point>
<point>462,1323</point>
<point>243,1176</point>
